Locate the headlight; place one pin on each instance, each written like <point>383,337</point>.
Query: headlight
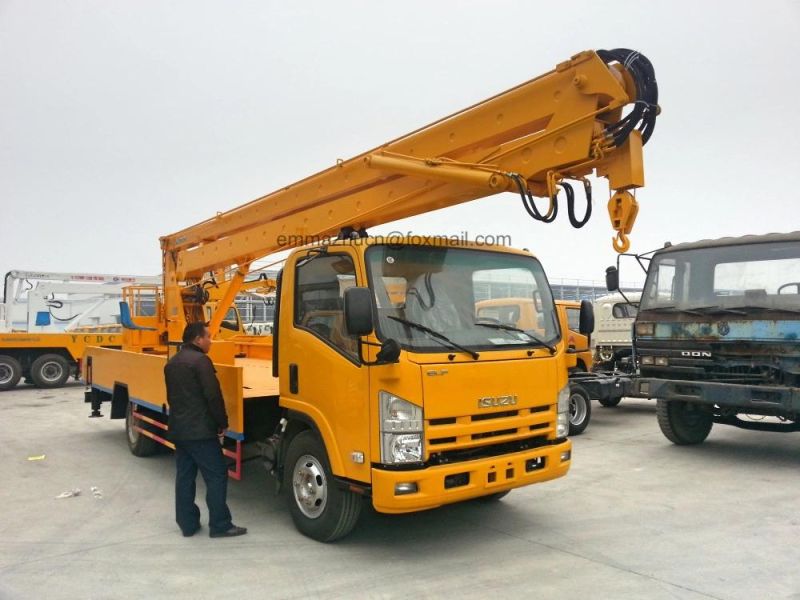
<point>562,419</point>
<point>401,430</point>
<point>662,361</point>
<point>645,329</point>
<point>647,360</point>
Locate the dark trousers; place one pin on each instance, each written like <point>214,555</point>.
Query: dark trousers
<point>205,455</point>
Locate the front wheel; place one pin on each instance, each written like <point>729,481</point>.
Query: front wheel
<point>580,409</point>
<point>683,423</point>
<point>50,371</point>
<point>10,372</point>
<point>320,509</point>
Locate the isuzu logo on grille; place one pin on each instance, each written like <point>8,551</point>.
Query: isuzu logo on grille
<point>489,401</point>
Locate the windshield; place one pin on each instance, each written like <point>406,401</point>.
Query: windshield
<point>745,276</point>
<point>477,299</point>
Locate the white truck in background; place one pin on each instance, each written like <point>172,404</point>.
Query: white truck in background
<point>48,319</point>
<point>45,302</point>
<point>612,337</point>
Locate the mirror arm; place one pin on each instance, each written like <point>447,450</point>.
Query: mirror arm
<point>363,342</point>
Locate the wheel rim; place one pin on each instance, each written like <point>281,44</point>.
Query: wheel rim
<point>577,409</point>
<point>310,486</point>
<point>51,371</point>
<point>6,374</point>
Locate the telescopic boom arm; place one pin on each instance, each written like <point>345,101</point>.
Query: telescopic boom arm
<point>532,139</point>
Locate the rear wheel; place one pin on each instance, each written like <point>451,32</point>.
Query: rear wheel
<point>580,409</point>
<point>320,509</point>
<point>138,443</point>
<point>50,371</point>
<point>10,372</point>
<point>683,423</point>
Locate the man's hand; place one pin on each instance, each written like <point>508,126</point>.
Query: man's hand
<point>221,436</point>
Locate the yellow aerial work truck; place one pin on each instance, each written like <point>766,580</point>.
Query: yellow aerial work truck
<point>383,382</point>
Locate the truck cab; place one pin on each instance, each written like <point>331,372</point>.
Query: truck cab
<point>579,353</point>
<point>717,335</point>
<point>435,402</point>
<point>613,333</point>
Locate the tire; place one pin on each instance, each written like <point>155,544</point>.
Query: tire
<point>494,497</point>
<point>319,508</point>
<point>610,402</point>
<point>580,409</point>
<point>10,372</point>
<point>683,423</point>
<point>50,371</point>
<point>138,443</point>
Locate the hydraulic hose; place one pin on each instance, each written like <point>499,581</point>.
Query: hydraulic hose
<point>645,109</point>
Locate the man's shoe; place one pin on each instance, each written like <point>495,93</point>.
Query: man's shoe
<point>191,532</point>
<point>232,532</point>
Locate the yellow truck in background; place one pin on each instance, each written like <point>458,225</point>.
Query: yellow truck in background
<point>382,381</point>
<point>578,341</point>
<point>523,313</point>
<point>575,321</point>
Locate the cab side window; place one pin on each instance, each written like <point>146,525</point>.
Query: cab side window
<point>319,299</point>
<point>624,311</point>
<point>574,318</point>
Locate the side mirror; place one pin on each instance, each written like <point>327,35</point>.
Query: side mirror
<point>358,311</point>
<point>586,318</point>
<point>612,279</point>
<point>389,352</point>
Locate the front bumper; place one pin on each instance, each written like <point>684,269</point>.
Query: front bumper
<point>483,476</point>
<point>728,395</point>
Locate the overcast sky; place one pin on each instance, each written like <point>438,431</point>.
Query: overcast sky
<point>124,120</point>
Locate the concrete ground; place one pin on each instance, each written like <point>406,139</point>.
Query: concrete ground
<point>636,517</point>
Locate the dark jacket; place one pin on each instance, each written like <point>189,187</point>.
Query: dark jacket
<point>196,407</point>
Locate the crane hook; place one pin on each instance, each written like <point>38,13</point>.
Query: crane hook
<point>622,209</point>
<point>621,243</point>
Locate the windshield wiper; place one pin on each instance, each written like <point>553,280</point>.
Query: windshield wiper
<point>518,330</point>
<point>710,310</point>
<point>713,309</point>
<point>767,308</point>
<point>672,309</point>
<point>435,334</point>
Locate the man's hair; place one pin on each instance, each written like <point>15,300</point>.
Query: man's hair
<point>193,331</point>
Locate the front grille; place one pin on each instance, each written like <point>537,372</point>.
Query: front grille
<point>497,415</point>
<point>455,456</point>
<point>490,434</point>
<point>444,440</point>
<point>714,371</point>
<point>454,434</point>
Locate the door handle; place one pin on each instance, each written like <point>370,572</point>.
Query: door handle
<point>294,384</point>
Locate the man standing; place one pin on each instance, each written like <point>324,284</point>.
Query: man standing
<point>197,420</point>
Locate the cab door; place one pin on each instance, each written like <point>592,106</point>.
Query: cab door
<point>320,373</point>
